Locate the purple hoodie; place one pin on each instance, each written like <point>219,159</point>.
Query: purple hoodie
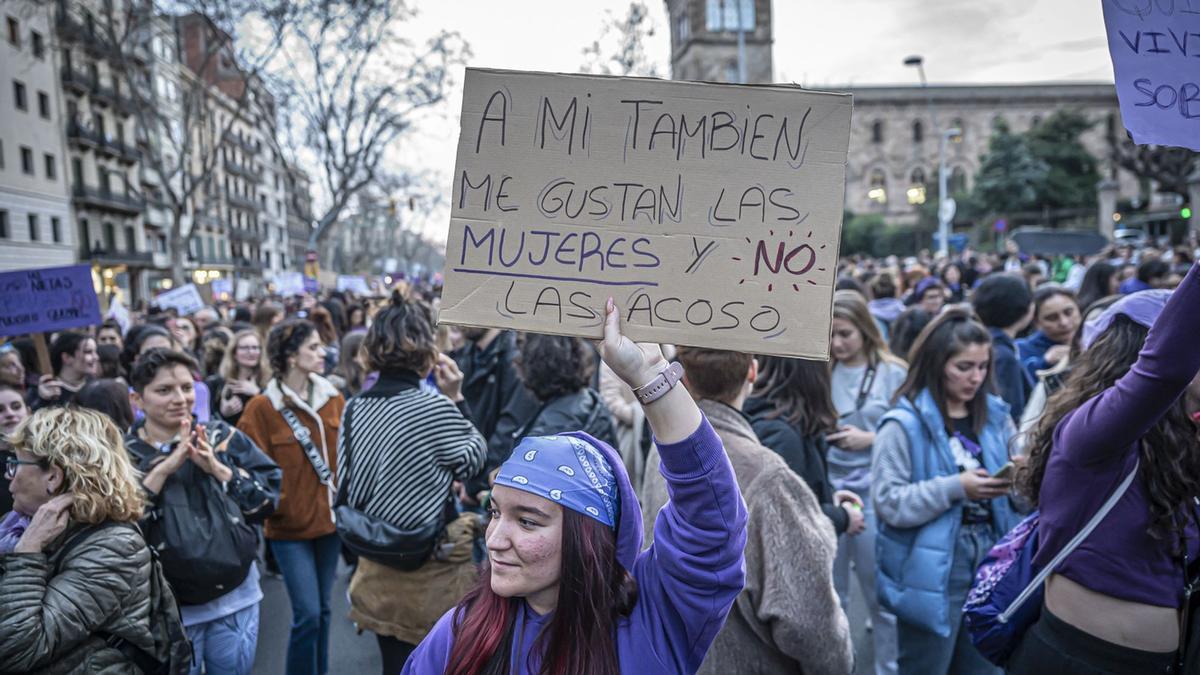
<point>687,580</point>
<point>11,528</point>
<point>1095,447</point>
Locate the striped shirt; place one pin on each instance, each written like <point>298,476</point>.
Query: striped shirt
<point>407,446</point>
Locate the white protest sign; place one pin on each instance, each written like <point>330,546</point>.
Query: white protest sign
<point>289,283</point>
<point>710,213</point>
<point>242,290</point>
<point>222,288</point>
<point>1155,48</point>
<point>119,313</point>
<point>185,299</point>
<point>354,284</point>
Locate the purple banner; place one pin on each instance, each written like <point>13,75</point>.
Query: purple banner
<point>47,300</point>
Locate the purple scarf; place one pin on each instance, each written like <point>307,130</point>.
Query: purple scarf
<point>11,528</point>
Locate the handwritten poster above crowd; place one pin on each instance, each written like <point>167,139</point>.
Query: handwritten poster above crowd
<point>709,213</point>
<point>47,300</point>
<point>185,299</point>
<point>1155,47</point>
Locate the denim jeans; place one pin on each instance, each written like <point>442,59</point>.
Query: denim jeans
<point>859,550</point>
<point>225,646</point>
<point>926,653</point>
<point>308,567</point>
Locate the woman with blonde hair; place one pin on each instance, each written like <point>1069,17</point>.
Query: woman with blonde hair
<point>243,375</point>
<point>75,574</point>
<point>864,378</point>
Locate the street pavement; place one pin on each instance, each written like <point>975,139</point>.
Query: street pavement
<point>348,651</point>
<point>358,654</point>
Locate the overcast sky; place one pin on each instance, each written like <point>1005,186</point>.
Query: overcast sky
<point>816,44</point>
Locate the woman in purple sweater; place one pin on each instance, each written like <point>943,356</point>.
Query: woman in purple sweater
<point>1113,606</point>
<point>565,589</point>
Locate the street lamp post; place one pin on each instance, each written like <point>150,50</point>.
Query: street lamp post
<point>945,216</point>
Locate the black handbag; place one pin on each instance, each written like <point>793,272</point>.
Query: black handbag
<point>1188,657</point>
<point>375,539</point>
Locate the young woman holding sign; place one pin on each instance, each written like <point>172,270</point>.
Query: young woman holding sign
<point>565,588</point>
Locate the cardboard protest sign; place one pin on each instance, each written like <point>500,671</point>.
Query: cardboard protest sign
<point>47,300</point>
<point>710,213</point>
<point>1155,49</point>
<point>185,299</point>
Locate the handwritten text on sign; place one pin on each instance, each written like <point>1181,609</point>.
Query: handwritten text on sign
<point>47,300</point>
<point>1155,47</point>
<point>710,213</point>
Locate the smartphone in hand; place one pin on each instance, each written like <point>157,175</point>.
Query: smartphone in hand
<point>1006,472</point>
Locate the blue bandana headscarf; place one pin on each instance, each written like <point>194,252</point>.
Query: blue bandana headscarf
<point>566,470</point>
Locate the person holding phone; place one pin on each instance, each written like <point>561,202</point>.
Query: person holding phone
<point>940,509</point>
<point>865,377</point>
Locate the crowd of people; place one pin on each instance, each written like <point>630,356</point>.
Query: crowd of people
<point>523,503</point>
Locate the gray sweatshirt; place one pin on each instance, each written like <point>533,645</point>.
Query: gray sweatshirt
<point>901,502</point>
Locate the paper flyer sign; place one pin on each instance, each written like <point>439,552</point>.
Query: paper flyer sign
<point>185,299</point>
<point>1155,48</point>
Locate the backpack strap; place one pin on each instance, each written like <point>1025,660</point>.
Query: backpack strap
<point>343,492</point>
<point>1070,547</point>
<point>304,437</point>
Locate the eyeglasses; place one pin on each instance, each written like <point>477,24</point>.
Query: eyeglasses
<point>11,464</point>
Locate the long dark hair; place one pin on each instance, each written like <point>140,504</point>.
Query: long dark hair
<point>1169,452</point>
<point>943,339</point>
<point>594,591</point>
<point>1095,284</point>
<point>800,392</point>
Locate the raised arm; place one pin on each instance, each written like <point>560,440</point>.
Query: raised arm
<point>689,578</point>
<point>1105,426</point>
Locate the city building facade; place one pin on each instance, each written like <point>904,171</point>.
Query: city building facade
<point>91,170</point>
<point>35,207</point>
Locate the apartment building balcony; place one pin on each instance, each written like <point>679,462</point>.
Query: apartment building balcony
<point>82,137</point>
<point>240,202</point>
<point>123,105</point>
<point>107,200</point>
<point>126,154</point>
<point>246,146</point>
<point>68,28</point>
<point>244,263</point>
<point>245,235</point>
<point>76,81</point>
<point>104,256</point>
<point>218,261</point>
<point>103,96</point>
<point>244,171</point>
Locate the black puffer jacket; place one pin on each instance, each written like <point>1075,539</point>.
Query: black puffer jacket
<point>583,410</point>
<point>804,455</point>
<point>50,621</point>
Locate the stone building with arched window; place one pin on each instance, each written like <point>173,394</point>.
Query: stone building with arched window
<point>893,161</point>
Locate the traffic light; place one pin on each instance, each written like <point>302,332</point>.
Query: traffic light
<point>1185,212</point>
